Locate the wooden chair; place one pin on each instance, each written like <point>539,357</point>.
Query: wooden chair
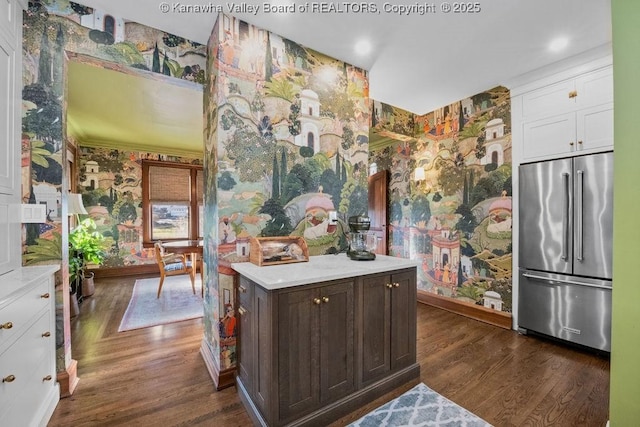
<point>172,265</point>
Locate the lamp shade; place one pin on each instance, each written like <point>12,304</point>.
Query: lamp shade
<point>418,174</point>
<point>74,202</point>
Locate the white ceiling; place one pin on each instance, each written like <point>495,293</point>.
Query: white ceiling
<point>418,62</point>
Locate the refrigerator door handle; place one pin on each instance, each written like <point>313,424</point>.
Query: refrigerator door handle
<point>570,282</point>
<point>565,217</point>
<point>579,215</point>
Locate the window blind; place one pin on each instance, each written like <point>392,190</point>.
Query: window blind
<point>167,184</point>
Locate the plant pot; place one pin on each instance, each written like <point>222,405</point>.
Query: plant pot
<point>88,287</point>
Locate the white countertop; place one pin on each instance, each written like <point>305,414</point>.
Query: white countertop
<point>318,269</point>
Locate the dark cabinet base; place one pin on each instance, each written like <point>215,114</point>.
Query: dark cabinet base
<point>408,376</point>
<point>310,354</point>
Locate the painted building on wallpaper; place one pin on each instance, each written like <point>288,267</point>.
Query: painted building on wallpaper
<point>457,221</point>
<point>49,29</point>
<point>282,125</point>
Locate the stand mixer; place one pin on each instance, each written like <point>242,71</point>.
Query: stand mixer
<point>361,243</point>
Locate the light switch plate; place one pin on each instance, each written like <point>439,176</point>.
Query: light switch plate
<point>31,213</point>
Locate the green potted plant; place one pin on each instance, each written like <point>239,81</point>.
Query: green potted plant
<point>86,246</point>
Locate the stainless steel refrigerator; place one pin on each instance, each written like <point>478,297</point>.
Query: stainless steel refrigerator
<point>565,249</point>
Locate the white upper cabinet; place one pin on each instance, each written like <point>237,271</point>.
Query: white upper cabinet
<point>567,117</point>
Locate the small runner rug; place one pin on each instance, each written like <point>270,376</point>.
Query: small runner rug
<point>176,303</point>
<point>420,406</point>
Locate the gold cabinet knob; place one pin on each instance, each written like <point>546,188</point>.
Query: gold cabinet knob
<point>579,142</point>
<point>9,379</point>
<point>7,325</point>
<point>571,143</point>
<point>45,296</point>
<point>316,301</point>
<point>325,299</point>
<point>47,378</point>
<point>389,285</point>
<point>396,285</point>
<point>46,334</point>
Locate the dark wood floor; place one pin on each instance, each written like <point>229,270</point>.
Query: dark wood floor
<point>156,376</point>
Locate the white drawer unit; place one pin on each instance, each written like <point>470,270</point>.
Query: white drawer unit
<point>29,391</point>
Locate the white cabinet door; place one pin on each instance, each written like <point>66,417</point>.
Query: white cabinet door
<point>548,100</point>
<point>594,88</point>
<point>594,128</point>
<point>548,137</point>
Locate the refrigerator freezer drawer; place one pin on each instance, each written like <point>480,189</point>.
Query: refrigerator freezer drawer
<point>570,308</point>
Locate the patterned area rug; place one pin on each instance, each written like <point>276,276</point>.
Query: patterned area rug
<point>420,406</point>
<point>177,302</point>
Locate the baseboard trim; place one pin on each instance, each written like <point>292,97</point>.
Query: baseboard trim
<point>477,312</point>
<point>133,270</point>
<point>221,379</point>
<point>68,379</point>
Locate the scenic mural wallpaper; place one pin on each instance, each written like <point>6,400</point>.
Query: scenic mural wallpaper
<point>50,28</point>
<point>450,194</point>
<point>288,133</point>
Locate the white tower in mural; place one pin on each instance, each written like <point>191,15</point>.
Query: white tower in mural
<point>100,20</point>
<point>47,194</point>
<point>309,121</point>
<point>494,137</point>
<point>91,171</point>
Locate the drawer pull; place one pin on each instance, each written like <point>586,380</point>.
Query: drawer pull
<point>242,289</point>
<point>316,301</point>
<point>46,334</point>
<point>7,325</point>
<point>242,311</point>
<point>389,285</point>
<point>571,143</point>
<point>396,285</point>
<point>325,299</point>
<point>9,379</point>
<point>45,296</point>
<point>47,378</point>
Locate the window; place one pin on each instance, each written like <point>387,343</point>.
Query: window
<point>173,199</point>
<point>109,25</point>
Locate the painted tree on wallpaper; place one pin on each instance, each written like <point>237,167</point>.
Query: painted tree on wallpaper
<point>291,137</point>
<point>458,219</point>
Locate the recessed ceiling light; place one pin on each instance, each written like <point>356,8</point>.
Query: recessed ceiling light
<point>363,47</point>
<point>558,44</point>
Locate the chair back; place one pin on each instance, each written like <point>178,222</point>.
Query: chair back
<point>159,249</point>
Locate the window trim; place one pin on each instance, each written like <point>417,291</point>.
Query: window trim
<point>194,211</point>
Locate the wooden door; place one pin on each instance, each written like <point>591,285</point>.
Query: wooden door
<point>298,350</point>
<point>378,215</point>
<point>337,377</point>
<point>375,337</point>
<point>245,350</point>
<point>403,319</point>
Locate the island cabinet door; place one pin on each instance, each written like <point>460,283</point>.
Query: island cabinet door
<point>337,373</point>
<point>403,319</point>
<point>315,347</point>
<point>245,347</point>
<point>298,353</point>
<point>375,306</point>
<point>388,323</point>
